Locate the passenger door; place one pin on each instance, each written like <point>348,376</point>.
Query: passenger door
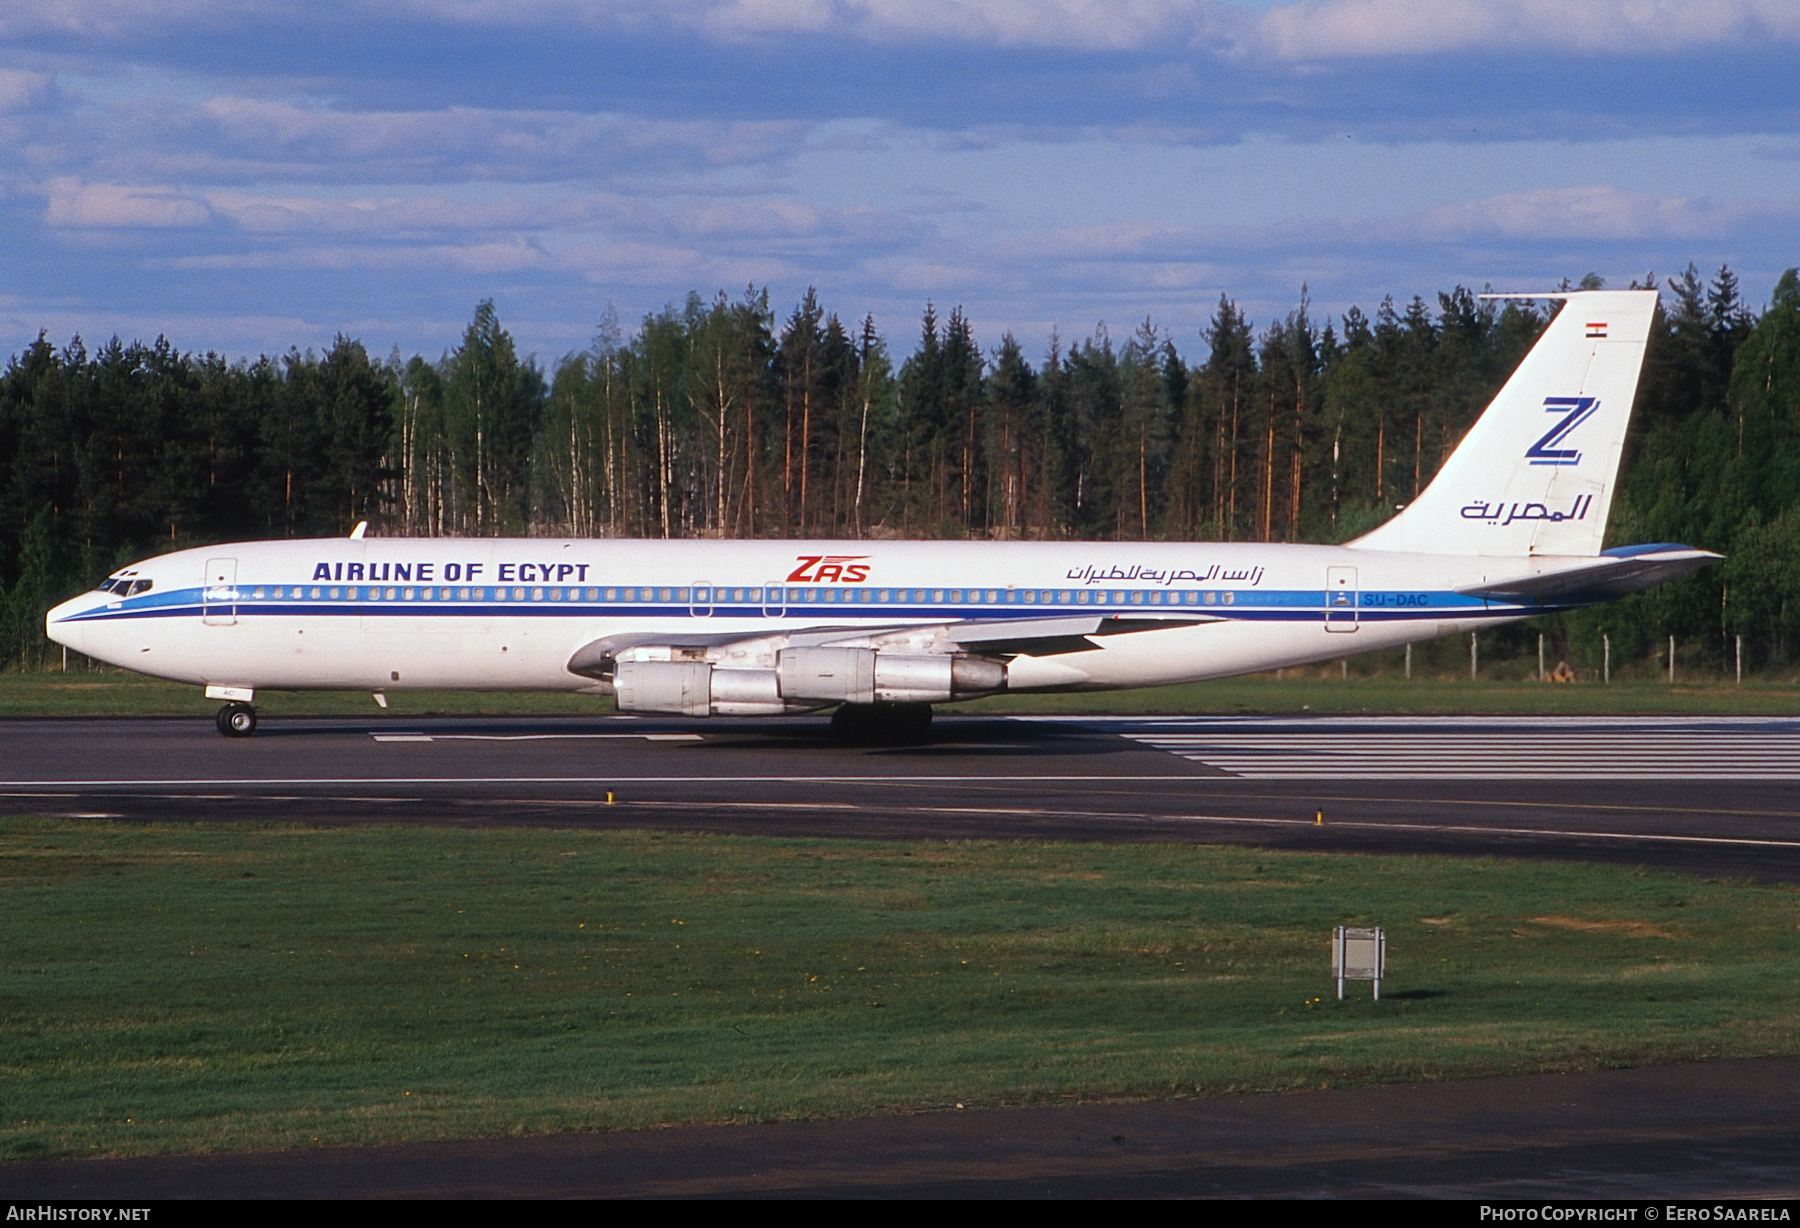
<point>1340,599</point>
<point>218,594</point>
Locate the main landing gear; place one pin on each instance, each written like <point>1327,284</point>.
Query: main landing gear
<point>237,720</point>
<point>881,724</point>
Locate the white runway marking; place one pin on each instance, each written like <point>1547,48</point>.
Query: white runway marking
<point>532,737</point>
<point>1483,748</point>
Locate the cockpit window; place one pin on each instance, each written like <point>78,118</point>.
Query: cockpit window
<point>124,586</point>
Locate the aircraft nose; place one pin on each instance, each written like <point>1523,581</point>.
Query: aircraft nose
<point>60,626</point>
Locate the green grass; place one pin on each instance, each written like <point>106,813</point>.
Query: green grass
<point>116,693</point>
<point>223,987</point>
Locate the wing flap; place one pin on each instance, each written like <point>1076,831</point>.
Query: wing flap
<point>1044,637</point>
<point>1608,576</point>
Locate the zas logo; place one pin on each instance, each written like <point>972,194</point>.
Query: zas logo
<point>1575,411</point>
<point>830,569</point>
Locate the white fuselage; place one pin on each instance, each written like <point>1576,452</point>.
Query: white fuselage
<point>500,614</point>
<point>1512,525</point>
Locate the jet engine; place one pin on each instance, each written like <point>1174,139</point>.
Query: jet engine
<point>870,676</point>
<point>803,680</point>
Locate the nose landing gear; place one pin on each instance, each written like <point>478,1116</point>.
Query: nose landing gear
<point>236,720</point>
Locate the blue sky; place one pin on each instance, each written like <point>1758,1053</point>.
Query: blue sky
<point>245,175</point>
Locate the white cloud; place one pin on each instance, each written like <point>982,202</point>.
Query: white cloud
<point>474,142</point>
<point>665,265</point>
<point>102,18</point>
<point>794,226</point>
<point>1593,214</point>
<point>19,89</point>
<point>232,139</point>
<point>1084,24</point>
<point>109,206</point>
<point>394,217</point>
<point>1336,29</point>
<point>1596,213</point>
<point>1076,24</point>
<point>1126,240</point>
<point>1307,30</point>
<point>715,222</point>
<point>760,218</point>
<point>931,278</point>
<point>502,256</point>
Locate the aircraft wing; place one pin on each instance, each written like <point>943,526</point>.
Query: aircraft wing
<point>1613,574</point>
<point>1034,637</point>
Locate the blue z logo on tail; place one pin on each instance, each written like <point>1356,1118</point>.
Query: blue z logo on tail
<point>1575,411</point>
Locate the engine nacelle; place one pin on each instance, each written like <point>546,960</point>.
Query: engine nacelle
<point>696,688</point>
<point>867,676</point>
<point>681,688</point>
<point>747,692</point>
<point>805,679</point>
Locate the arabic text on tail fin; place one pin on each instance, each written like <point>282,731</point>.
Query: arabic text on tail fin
<point>1536,473</point>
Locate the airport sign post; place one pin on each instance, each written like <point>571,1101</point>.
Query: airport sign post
<point>1358,955</point>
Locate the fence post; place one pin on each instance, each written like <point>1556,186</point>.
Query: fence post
<point>1540,656</point>
<point>1409,659</point>
<point>1740,660</point>
<point>1606,660</point>
<point>1671,660</point>
<point>1473,658</point>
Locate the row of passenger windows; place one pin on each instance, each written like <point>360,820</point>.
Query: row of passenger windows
<point>708,597</point>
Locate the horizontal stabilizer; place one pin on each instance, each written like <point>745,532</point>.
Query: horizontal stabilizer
<point>1613,574</point>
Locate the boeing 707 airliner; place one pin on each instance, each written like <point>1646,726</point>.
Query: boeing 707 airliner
<point>1512,526</point>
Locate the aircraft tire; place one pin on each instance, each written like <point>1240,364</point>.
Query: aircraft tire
<point>881,724</point>
<point>237,720</point>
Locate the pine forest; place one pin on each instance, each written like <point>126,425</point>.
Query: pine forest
<point>722,418</point>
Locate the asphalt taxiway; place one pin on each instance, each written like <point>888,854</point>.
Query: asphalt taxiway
<point>1702,795</point>
<point>1707,795</point>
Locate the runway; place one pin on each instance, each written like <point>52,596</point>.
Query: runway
<point>1706,795</point>
<point>1548,748</point>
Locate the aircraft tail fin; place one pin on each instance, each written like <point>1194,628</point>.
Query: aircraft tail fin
<point>1536,473</point>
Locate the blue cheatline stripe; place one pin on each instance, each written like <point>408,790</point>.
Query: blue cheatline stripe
<point>1282,605</point>
<point>1130,600</point>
